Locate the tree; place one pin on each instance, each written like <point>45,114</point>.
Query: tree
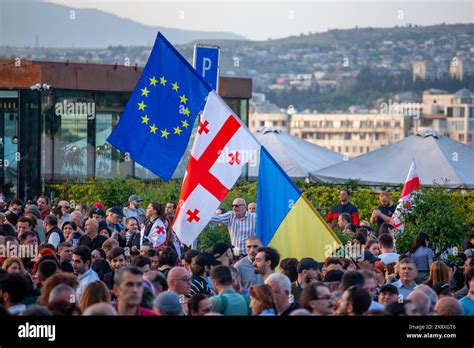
<point>438,213</point>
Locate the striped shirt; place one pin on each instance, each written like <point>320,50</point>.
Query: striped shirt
<point>239,229</point>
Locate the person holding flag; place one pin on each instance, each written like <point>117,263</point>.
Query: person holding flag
<point>222,147</point>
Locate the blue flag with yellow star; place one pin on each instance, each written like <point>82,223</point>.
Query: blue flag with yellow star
<point>157,122</point>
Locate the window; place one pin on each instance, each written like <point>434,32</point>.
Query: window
<point>461,137</point>
<point>361,149</point>
<point>347,136</point>
<point>70,140</point>
<point>362,136</point>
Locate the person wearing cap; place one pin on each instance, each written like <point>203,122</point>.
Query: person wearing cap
<point>65,208</point>
<point>388,293</point>
<point>168,304</point>
<point>97,214</point>
<point>239,222</point>
<point>114,224</point>
<point>133,209</point>
<point>223,253</point>
<point>308,273</point>
<point>201,269</point>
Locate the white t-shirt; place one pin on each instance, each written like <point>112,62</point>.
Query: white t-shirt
<point>388,257</point>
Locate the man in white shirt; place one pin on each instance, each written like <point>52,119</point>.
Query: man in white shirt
<point>387,255</point>
<point>81,263</point>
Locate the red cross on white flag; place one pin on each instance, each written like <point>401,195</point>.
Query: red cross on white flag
<point>220,151</point>
<point>412,185</point>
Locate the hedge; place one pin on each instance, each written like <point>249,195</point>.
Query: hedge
<point>115,192</point>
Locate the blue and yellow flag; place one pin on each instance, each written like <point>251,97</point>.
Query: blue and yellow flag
<point>157,122</point>
<point>286,220</point>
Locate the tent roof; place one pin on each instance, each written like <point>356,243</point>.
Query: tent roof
<point>296,156</point>
<point>437,159</point>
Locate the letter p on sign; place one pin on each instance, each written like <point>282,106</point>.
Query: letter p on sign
<point>206,63</point>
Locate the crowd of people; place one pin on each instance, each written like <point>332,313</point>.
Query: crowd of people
<point>58,259</point>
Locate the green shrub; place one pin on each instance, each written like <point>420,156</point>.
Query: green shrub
<point>442,214</point>
<point>438,213</point>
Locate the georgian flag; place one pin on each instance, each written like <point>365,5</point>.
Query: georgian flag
<point>222,147</point>
<point>412,184</point>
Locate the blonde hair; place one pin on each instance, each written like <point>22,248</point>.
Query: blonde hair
<point>10,261</point>
<point>439,272</point>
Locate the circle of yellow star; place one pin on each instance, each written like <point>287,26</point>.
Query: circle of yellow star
<point>177,130</point>
<point>175,86</point>
<point>164,134</point>
<point>145,92</point>
<point>145,119</point>
<point>153,129</point>
<point>153,81</point>
<point>163,81</point>
<point>185,124</point>
<point>141,106</point>
<point>186,111</point>
<point>183,99</point>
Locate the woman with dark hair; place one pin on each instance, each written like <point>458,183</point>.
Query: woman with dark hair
<point>288,267</point>
<point>101,267</point>
<point>154,230</point>
<point>422,256</point>
<point>199,305</point>
<point>167,260</point>
<point>262,300</point>
<point>70,233</point>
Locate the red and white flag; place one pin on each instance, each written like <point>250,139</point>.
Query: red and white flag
<point>412,184</point>
<point>222,147</point>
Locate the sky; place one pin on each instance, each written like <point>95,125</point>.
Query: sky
<point>264,19</point>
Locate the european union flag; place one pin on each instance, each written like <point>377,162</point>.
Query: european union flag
<point>157,122</point>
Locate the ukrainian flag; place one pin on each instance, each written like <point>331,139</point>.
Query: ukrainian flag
<point>286,220</point>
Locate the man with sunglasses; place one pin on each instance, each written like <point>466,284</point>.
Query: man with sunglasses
<point>245,266</point>
<point>240,223</point>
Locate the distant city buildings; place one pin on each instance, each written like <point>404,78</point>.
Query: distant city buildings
<point>360,130</point>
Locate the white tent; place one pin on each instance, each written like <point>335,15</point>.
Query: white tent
<point>438,160</point>
<point>296,156</point>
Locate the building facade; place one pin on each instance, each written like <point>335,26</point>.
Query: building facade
<point>59,134</point>
<point>351,134</point>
